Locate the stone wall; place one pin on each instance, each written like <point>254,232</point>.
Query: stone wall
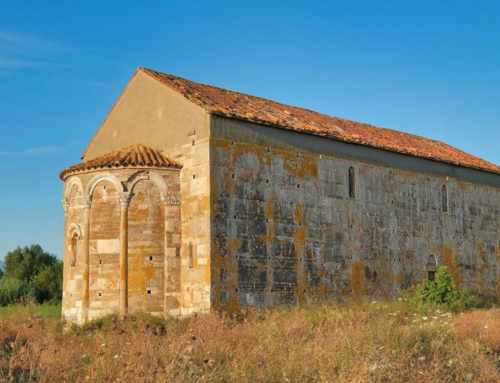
<point>150,113</point>
<point>104,250</point>
<point>132,213</point>
<point>286,231</point>
<point>195,222</point>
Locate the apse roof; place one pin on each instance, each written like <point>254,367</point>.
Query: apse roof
<point>139,156</point>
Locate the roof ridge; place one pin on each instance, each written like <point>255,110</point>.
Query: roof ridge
<point>229,90</point>
<point>146,70</point>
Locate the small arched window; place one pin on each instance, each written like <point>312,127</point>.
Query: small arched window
<point>74,249</point>
<point>444,197</point>
<point>352,182</point>
<point>190,256</point>
<point>431,268</point>
<point>431,261</point>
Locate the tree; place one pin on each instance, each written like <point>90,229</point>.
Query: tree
<point>25,263</point>
<point>1,273</point>
<point>48,283</point>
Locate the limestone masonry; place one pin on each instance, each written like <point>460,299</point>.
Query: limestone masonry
<point>192,198</point>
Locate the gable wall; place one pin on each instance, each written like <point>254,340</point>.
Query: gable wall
<point>151,114</point>
<point>284,229</point>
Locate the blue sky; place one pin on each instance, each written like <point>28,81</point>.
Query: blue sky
<point>425,67</point>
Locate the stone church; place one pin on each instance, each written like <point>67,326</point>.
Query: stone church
<point>192,197</point>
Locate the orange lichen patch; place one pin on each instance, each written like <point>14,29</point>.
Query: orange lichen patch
<point>220,143</point>
<point>271,235</point>
<point>321,290</point>
<point>259,110</point>
<point>299,214</point>
<point>205,203</point>
<point>142,270</point>
<point>234,245</point>
<point>498,281</point>
<point>357,278</point>
<point>480,252</point>
<point>111,282</point>
<point>450,260</point>
<point>129,157</point>
<point>269,212</point>
<point>141,214</point>
<point>229,184</point>
<point>207,273</point>
<point>300,167</point>
<point>400,278</point>
<point>300,236</point>
<point>239,149</point>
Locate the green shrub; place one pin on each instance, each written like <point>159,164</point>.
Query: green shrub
<point>48,283</point>
<point>442,291</point>
<point>13,291</point>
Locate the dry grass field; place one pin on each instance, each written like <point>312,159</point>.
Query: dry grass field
<point>368,342</point>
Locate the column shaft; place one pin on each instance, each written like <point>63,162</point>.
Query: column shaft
<point>124,259</point>
<point>86,257</point>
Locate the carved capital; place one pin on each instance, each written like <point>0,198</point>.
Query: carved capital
<point>87,202</point>
<point>124,199</point>
<point>171,198</point>
<point>65,204</point>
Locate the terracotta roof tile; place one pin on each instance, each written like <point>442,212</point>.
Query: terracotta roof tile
<point>255,109</point>
<point>133,156</point>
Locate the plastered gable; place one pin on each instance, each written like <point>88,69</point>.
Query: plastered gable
<point>151,114</point>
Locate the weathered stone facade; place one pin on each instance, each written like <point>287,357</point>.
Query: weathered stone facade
<point>132,218</point>
<point>259,215</point>
<point>286,230</point>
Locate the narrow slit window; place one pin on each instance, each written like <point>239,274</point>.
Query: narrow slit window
<point>445,201</point>
<point>74,249</point>
<point>431,268</point>
<point>352,182</point>
<point>431,275</point>
<point>190,256</point>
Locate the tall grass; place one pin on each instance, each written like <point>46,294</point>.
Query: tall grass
<point>369,342</point>
<point>13,291</point>
<point>46,310</point>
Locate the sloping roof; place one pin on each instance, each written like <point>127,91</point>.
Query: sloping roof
<point>259,110</point>
<point>133,156</point>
